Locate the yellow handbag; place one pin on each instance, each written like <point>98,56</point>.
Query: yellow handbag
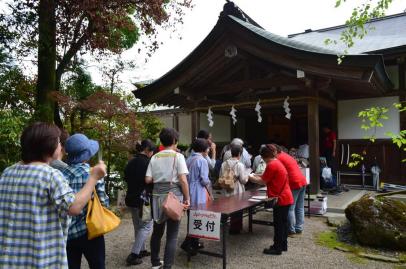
<point>99,220</point>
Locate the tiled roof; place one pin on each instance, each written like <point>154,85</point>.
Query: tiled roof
<point>383,33</point>
<point>284,41</point>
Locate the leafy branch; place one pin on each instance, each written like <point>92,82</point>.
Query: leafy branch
<point>357,26</point>
<point>356,159</point>
<point>372,118</point>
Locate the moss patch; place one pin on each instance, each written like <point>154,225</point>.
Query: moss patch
<point>330,240</point>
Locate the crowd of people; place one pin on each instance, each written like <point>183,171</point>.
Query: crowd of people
<point>190,179</point>
<point>44,197</point>
<point>37,200</point>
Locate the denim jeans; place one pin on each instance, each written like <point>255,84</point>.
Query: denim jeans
<point>296,211</point>
<point>93,250</point>
<point>142,230</point>
<point>171,240</point>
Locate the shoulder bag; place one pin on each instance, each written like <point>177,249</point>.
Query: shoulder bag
<point>99,220</point>
<point>171,206</point>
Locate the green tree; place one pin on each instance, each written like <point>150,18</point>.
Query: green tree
<point>12,124</point>
<point>16,106</point>
<point>58,30</point>
<point>151,126</point>
<point>78,86</point>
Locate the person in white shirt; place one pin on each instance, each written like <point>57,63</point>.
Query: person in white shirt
<point>167,170</point>
<point>245,156</point>
<point>258,165</point>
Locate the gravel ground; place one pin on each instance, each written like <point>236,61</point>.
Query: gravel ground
<point>244,250</point>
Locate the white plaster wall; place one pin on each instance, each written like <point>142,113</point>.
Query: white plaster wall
<point>185,129</point>
<point>349,125</point>
<point>167,121</point>
<point>221,130</point>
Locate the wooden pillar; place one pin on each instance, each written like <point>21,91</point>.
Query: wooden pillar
<point>314,148</point>
<point>176,121</point>
<point>401,68</point>
<point>402,98</point>
<point>195,120</point>
<point>402,115</point>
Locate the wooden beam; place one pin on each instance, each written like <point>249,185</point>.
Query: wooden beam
<point>201,63</point>
<point>237,86</point>
<point>176,121</point>
<point>312,67</point>
<point>401,64</point>
<point>402,115</point>
<point>224,76</point>
<point>211,71</point>
<point>195,121</point>
<point>314,147</point>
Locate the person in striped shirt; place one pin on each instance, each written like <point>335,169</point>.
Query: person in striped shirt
<point>80,149</point>
<point>36,202</point>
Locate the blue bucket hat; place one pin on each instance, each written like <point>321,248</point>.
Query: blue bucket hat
<point>80,148</point>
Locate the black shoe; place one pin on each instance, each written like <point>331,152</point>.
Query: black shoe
<point>188,248</point>
<point>157,265</point>
<point>283,249</point>
<point>144,253</point>
<point>133,259</point>
<point>272,251</point>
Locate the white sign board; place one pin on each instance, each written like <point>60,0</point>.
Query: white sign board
<point>204,224</point>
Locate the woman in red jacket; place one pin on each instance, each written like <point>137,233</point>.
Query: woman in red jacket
<point>297,183</point>
<point>275,177</point>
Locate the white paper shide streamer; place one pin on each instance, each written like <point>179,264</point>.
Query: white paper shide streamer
<point>233,115</point>
<point>286,107</point>
<point>258,110</point>
<point>210,117</point>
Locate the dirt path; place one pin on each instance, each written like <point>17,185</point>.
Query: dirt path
<point>244,250</point>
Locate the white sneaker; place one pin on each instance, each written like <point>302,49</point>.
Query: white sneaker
<point>158,266</point>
